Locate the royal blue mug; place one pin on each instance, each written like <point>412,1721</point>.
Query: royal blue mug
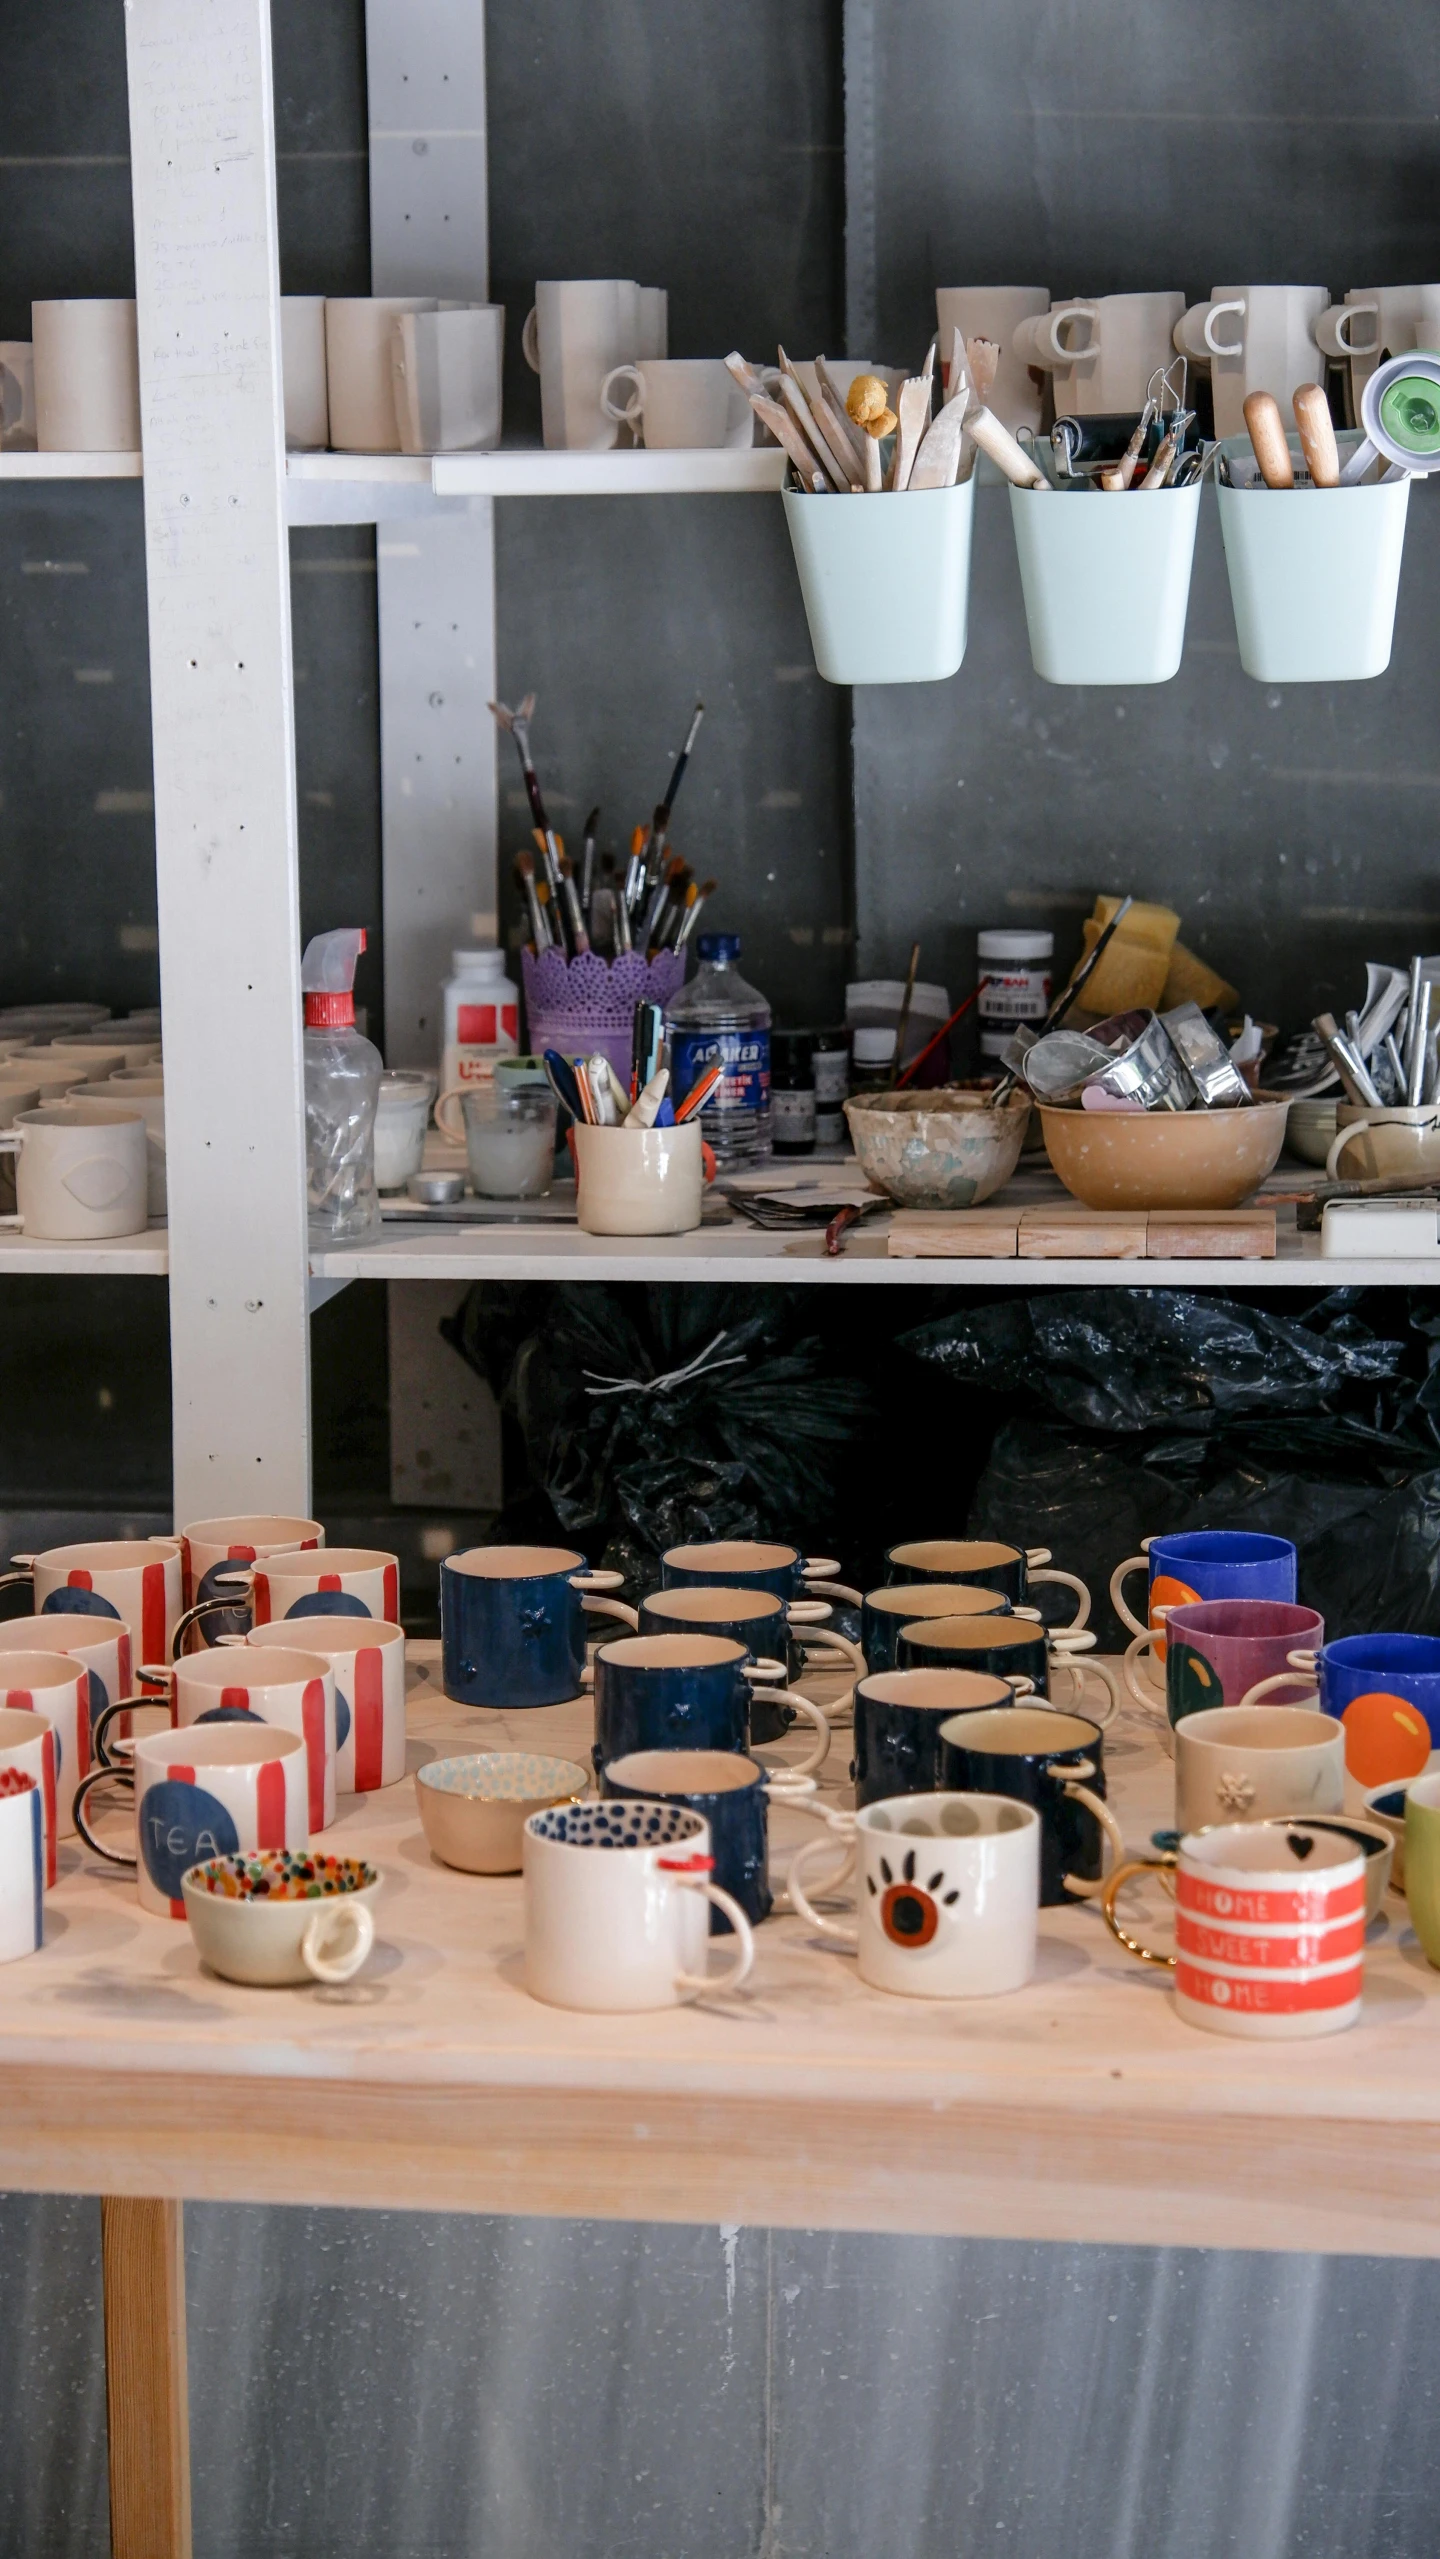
<point>512,1623</point>
<point>687,1692</point>
<point>1385,1690</point>
<point>898,1716</point>
<point>1204,1563</point>
<point>763,1624</point>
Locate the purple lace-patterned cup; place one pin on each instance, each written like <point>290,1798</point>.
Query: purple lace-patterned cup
<point>588,1003</point>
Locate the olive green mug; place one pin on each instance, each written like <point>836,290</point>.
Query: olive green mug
<point>1422,1862</point>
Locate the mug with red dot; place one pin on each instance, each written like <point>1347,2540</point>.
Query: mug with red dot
<point>947,1894</point>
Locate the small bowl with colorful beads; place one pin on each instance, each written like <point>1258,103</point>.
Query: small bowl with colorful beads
<point>276,1916</point>
<point>474,1809</point>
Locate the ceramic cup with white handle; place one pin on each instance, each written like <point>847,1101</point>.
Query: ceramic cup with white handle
<point>446,371</point>
<point>101,1648</point>
<point>277,1917</point>
<point>359,380</point>
<point>686,403</point>
<point>1269,1928</point>
<point>1399,1143</point>
<point>947,1895</point>
<point>1103,354</point>
<point>573,337</point>
<point>652,304</point>
<point>81,1174</point>
<point>302,369</point>
<point>1373,323</point>
<point>1240,1763</point>
<point>87,377</point>
<point>145,1094</point>
<point>1255,337</point>
<point>995,312</point>
<point>617,1899</point>
<point>17,396</point>
<point>367,1658</point>
<point>206,1544</point>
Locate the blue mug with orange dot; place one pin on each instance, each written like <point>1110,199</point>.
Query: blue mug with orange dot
<point>1203,1563</point>
<point>1385,1690</point>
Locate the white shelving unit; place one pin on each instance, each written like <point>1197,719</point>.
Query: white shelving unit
<point>220,497</point>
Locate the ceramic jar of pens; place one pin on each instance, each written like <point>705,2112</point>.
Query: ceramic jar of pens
<point>641,1166</point>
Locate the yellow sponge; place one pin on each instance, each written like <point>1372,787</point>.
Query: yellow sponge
<point>1193,981</point>
<point>1136,963</point>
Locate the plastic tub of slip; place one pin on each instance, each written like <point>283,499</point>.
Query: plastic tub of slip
<point>886,581</point>
<point>1314,574</point>
<point>1106,580</point>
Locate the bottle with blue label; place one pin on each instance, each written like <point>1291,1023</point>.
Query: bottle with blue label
<point>717,1020</point>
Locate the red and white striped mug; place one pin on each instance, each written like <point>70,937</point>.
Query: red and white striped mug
<point>54,1687</point>
<point>1269,1928</point>
<point>368,1661</point>
<point>103,1649</point>
<point>27,1743</point>
<point>137,1579</point>
<point>22,1866</point>
<point>299,1585</point>
<point>293,1689</point>
<point>208,1542</point>
<point>214,1791</point>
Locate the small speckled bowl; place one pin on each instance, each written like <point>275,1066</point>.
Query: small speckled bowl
<point>255,1919</point>
<point>474,1809</point>
<point>942,1149</point>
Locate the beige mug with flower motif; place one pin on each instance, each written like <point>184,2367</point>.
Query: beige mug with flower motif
<point>1247,1763</point>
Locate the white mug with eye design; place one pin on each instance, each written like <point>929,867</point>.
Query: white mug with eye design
<point>947,1894</point>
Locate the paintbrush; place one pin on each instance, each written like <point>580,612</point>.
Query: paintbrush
<point>1065,1000</point>
<point>549,919</point>
<point>912,1070</point>
<point>691,916</point>
<point>578,935</point>
<point>587,859</point>
<point>635,868</point>
<point>681,761</point>
<point>665,888</point>
<point>518,724</point>
<point>909,998</point>
<point>623,938</point>
<point>539,927</point>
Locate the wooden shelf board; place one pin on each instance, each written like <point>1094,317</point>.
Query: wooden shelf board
<point>128,1254</point>
<point>69,466</point>
<point>1077,2109</point>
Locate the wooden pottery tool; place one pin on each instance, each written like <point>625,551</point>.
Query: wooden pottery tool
<point>984,429</point>
<point>1266,430</point>
<point>914,414</point>
<point>1317,436</point>
<point>983,356</point>
<point>937,464</point>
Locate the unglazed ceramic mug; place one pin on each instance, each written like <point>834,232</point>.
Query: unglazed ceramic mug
<point>17,396</point>
<point>947,1895</point>
<point>1399,1143</point>
<point>359,382</point>
<point>210,1792</point>
<point>575,335</point>
<point>684,402</point>
<point>996,311</point>
<point>268,1685</point>
<point>302,369</point>
<point>135,1579</point>
<point>1269,1928</point>
<point>512,1623</point>
<point>128,1090</point>
<point>368,1662</point>
<point>1255,337</point>
<point>1102,354</point>
<point>22,1866</point>
<point>87,377</point>
<point>27,1748</point>
<point>57,1689</point>
<point>1373,322</point>
<point>1239,1763</point>
<point>81,1175</point>
<point>1053,1761</point>
<point>987,1563</point>
<point>615,1903</point>
<point>446,371</point>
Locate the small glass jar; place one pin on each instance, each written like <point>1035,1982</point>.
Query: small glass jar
<point>509,1137</point>
<point>792,1092</point>
<point>402,1115</point>
<point>830,1064</point>
<point>872,1068</point>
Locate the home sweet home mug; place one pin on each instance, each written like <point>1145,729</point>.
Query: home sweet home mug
<point>1269,1928</point>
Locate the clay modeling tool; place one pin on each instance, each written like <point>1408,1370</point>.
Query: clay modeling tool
<point>1419,1037</point>
<point>1412,1013</point>
<point>792,392</point>
<point>983,356</point>
<point>608,1114</point>
<point>1317,436</point>
<point>907,1001</point>
<point>937,464</point>
<point>912,1070</point>
<point>985,430</point>
<point>1160,468</point>
<point>834,400</point>
<point>843,455</point>
<point>955,370</point>
<point>691,917</point>
<point>914,415</point>
<point>587,863</point>
<point>874,472</point>
<point>699,1094</point>
<point>540,935</point>
<point>1266,430</point>
<point>562,1082</point>
<point>777,418</point>
<point>840,1225</point>
<point>643,1113</point>
<point>1125,468</point>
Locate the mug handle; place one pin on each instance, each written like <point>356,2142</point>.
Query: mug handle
<point>633,410</point>
<point>1111,1834</point>
<point>613,1608</point>
<point>694,1984</point>
<point>108,1775</point>
<point>597,1577</point>
<point>1303,1665</point>
<point>1217,346</point>
<point>212,1607</point>
<point>805,1707</point>
<point>1188,335</point>
<point>1053,353</point>
<point>321,1954</point>
<point>829,1565</point>
<point>18,1581</point>
<point>122,1706</point>
<point>530,339</point>
<point>807,1612</point>
<point>1073,1582</point>
<point>1143,1696</point>
<point>452,1093</point>
<point>1035,1556</point>
<point>1353,1128</point>
<point>804,1907</point>
<point>799,1795</point>
<point>1332,330</point>
<point>1109,1892</point>
<point>1132,1564</point>
<point>828,1639</point>
<point>1077,1669</point>
<point>835,1590</point>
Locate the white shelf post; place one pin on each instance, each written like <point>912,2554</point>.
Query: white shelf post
<point>217,567</point>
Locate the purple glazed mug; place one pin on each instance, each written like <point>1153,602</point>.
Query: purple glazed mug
<point>1219,1650</point>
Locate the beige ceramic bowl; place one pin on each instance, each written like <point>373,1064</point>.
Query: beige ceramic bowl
<point>1398,1144</point>
<point>1164,1159</point>
<point>945,1149</point>
<point>474,1810</point>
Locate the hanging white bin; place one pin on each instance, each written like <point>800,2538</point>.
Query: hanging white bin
<point>1106,580</point>
<point>1314,574</point>
<point>886,581</point>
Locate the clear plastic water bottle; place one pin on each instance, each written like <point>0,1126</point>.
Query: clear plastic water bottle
<point>342,1087</point>
<point>717,1020</point>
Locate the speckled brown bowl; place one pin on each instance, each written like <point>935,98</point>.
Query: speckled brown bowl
<point>1164,1159</point>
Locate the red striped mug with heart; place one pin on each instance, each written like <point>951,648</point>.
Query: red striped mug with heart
<point>1269,1928</point>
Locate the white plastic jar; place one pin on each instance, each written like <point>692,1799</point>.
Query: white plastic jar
<point>482,1017</point>
<point>1016,972</point>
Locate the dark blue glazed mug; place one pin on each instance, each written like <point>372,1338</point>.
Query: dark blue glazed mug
<point>764,1625</point>
<point>685,1692</point>
<point>884,1612</point>
<point>753,1563</point>
<point>898,1718</point>
<point>730,1792</point>
<point>1015,1649</point>
<point>1056,1762</point>
<point>512,1623</point>
<point>987,1563</point>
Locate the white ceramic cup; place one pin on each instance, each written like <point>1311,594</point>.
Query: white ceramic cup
<point>248,1539</point>
<point>367,1659</point>
<point>136,1580</point>
<point>17,396</point>
<point>446,369</point>
<point>1103,354</point>
<point>1401,1142</point>
<point>81,1173</point>
<point>99,1645</point>
<point>575,334</point>
<point>211,1791</point>
<point>285,1686</point>
<point>87,377</point>
<point>639,1181</point>
<point>689,404</point>
<point>1255,337</point>
<point>145,1094</point>
<point>268,1939</point>
<point>617,1900</point>
<point>947,1894</point>
<point>402,1116</point>
<point>996,311</point>
<point>56,1688</point>
<point>22,1866</point>
<point>1242,1763</point>
<point>51,1082</point>
<point>359,381</point>
<point>302,369</point>
<point>27,1745</point>
<point>285,1582</point>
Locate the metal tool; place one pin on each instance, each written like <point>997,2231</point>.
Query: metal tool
<point>1065,1000</point>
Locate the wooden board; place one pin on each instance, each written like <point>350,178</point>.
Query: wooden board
<point>1091,1234</point>
<point>147,2403</point>
<point>954,1234</point>
<point>1080,2108</point>
<point>1211,1234</point>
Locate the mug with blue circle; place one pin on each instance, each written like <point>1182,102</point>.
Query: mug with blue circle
<point>686,1692</point>
<point>512,1623</point>
<point>1385,1690</point>
<point>985,1563</point>
<point>732,1793</point>
<point>764,1625</point>
<point>1203,1563</point>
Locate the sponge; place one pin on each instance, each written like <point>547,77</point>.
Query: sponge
<point>1136,964</point>
<point>1193,981</point>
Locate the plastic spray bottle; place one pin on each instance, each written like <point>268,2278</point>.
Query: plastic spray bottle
<point>342,1087</point>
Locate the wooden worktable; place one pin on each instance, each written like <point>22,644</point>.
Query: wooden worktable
<point>1076,2109</point>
